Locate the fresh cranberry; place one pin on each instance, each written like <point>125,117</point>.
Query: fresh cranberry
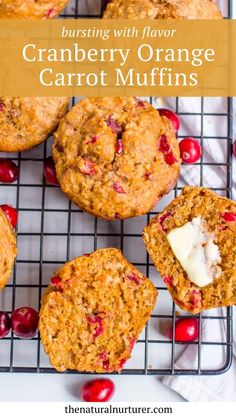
<point>24,322</point>
<point>88,167</point>
<point>57,282</point>
<point>162,219</point>
<point>50,13</point>
<point>97,320</point>
<point>165,148</point>
<point>234,148</point>
<point>119,146</point>
<point>11,214</point>
<point>9,171</point>
<point>115,126</point>
<point>170,158</point>
<point>190,150</point>
<point>133,277</point>
<point>5,324</point>
<point>98,390</point>
<point>229,216</point>
<point>168,280</point>
<point>186,330</point>
<point>49,171</point>
<point>118,188</point>
<point>91,140</point>
<point>171,116</point>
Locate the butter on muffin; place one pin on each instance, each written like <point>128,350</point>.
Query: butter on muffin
<point>193,245</point>
<point>28,121</point>
<point>116,157</point>
<point>8,249</point>
<point>162,9</point>
<point>94,311</point>
<point>31,9</point>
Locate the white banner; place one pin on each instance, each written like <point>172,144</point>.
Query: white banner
<point>116,410</point>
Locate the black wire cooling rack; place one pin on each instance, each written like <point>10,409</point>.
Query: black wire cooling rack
<point>52,230</point>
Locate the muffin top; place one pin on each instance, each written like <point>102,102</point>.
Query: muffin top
<point>27,121</point>
<point>115,157</point>
<point>31,9</point>
<point>162,9</point>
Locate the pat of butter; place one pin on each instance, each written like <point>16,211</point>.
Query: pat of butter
<point>196,251</point>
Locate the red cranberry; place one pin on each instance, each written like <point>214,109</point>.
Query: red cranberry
<point>133,277</point>
<point>168,280</point>
<point>171,116</point>
<point>118,188</point>
<point>115,126</point>
<point>5,324</point>
<point>49,171</point>
<point>11,214</point>
<point>190,150</point>
<point>229,216</point>
<point>24,322</point>
<point>50,13</point>
<point>57,282</point>
<point>170,158</point>
<point>97,320</point>
<point>234,148</point>
<point>98,390</point>
<point>186,330</point>
<point>88,167</point>
<point>9,171</point>
<point>119,146</point>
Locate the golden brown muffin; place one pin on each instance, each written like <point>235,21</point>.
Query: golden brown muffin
<point>31,9</point>
<point>93,312</point>
<point>28,121</point>
<point>162,9</point>
<point>8,249</point>
<point>218,220</point>
<point>115,157</point>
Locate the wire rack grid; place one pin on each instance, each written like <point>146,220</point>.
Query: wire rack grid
<point>52,230</point>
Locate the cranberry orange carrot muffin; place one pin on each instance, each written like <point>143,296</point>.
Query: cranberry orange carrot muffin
<point>93,312</point>
<point>193,246</point>
<point>28,121</point>
<point>31,9</point>
<point>8,249</point>
<point>115,157</point>
<point>162,9</point>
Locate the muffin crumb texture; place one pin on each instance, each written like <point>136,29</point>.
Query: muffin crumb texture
<point>218,215</point>
<point>94,311</point>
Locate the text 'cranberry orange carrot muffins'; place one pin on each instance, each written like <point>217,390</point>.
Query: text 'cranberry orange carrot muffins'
<point>28,121</point>
<point>116,157</point>
<point>193,246</point>
<point>93,312</point>
<point>31,9</point>
<point>8,249</point>
<point>162,9</point>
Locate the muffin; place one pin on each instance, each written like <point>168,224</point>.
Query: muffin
<point>193,246</point>
<point>115,157</point>
<point>8,249</point>
<point>28,121</point>
<point>31,9</point>
<point>162,9</point>
<point>93,312</point>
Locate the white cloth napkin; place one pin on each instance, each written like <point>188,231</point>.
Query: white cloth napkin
<point>218,387</point>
